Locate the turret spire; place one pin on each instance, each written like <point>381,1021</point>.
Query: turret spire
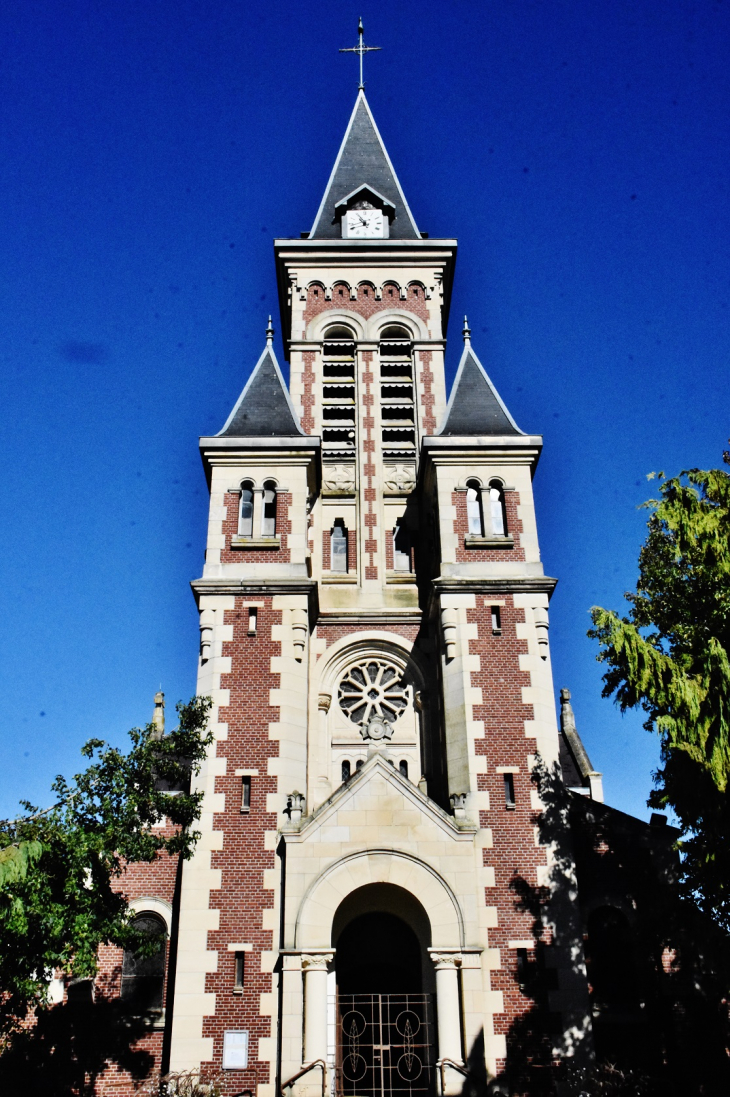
<point>466,332</point>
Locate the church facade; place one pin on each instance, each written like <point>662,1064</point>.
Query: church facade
<point>384,899</point>
<point>374,634</point>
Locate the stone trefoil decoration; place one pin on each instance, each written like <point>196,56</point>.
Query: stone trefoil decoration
<point>373,695</point>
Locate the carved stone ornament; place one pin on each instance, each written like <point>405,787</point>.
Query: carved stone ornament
<point>317,961</point>
<point>445,959</point>
<point>377,729</point>
<point>400,478</point>
<point>338,479</point>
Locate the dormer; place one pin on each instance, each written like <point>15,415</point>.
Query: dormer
<point>365,214</point>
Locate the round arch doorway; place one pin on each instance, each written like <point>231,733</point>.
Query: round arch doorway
<point>384,1034</point>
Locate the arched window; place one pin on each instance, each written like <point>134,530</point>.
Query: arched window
<point>359,763</point>
<point>143,977</point>
<point>401,547</point>
<point>346,771</point>
<point>475,517</point>
<point>403,768</point>
<point>268,513</point>
<point>245,524</point>
<point>338,547</point>
<point>496,510</point>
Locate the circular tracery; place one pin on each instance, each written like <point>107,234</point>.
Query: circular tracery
<point>373,688</point>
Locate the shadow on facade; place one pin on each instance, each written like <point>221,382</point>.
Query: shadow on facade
<point>644,969</point>
<point>69,1049</point>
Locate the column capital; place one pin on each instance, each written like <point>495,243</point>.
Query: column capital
<point>324,701</point>
<point>445,958</point>
<point>316,961</point>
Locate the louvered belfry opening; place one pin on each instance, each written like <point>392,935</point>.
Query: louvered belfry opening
<point>397,403</point>
<point>339,409</point>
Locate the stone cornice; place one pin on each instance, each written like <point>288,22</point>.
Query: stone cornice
<point>511,584</point>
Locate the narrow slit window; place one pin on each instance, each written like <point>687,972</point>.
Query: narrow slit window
<point>245,527</point>
<point>252,620</point>
<point>403,768</point>
<point>496,620</point>
<point>346,771</point>
<point>474,509</point>
<point>401,548</point>
<point>268,516</point>
<point>522,967</point>
<point>338,547</point>
<point>240,970</point>
<point>496,504</point>
<point>245,795</point>
<point>359,763</point>
<point>509,790</point>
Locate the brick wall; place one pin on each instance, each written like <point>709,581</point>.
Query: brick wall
<point>244,859</point>
<point>515,857</point>
<point>365,304</point>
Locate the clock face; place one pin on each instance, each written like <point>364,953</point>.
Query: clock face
<point>365,223</point>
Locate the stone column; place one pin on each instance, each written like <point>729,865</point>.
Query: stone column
<point>448,1009</point>
<point>314,966</point>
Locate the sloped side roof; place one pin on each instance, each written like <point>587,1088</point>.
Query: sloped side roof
<point>475,406</point>
<point>362,160</point>
<point>264,408</point>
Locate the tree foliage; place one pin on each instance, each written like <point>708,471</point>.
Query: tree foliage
<point>60,896</point>
<point>670,656</point>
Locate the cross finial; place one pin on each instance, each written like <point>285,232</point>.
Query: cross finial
<point>361,49</point>
<point>466,332</point>
<point>269,334</point>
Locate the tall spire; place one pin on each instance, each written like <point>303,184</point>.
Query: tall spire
<point>363,162</point>
<point>361,49</point>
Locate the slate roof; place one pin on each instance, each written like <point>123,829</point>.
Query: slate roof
<point>475,407</point>
<point>264,408</point>
<point>362,160</point>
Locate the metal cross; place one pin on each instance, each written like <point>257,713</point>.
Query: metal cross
<point>361,49</point>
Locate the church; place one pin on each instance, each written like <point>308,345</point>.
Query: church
<point>388,896</point>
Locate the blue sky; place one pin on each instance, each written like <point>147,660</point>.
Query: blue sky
<point>149,153</point>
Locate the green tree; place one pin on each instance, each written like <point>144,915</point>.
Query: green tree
<point>670,656</point>
<point>59,895</point>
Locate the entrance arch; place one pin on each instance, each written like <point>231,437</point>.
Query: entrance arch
<point>381,935</point>
<point>381,1015</point>
<point>316,915</point>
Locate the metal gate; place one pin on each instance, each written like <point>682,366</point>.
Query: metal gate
<point>385,1045</point>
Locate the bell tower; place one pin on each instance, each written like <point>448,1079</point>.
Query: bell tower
<point>374,635</point>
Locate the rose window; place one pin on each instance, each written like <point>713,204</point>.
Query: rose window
<point>373,689</point>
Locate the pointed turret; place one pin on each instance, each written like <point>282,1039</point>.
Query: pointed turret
<point>578,773</point>
<point>475,408</point>
<point>363,172</point>
<point>264,408</point>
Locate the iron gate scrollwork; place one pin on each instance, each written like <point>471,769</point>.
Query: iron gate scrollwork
<point>385,1045</point>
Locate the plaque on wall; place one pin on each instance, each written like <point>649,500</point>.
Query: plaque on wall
<point>235,1050</point>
